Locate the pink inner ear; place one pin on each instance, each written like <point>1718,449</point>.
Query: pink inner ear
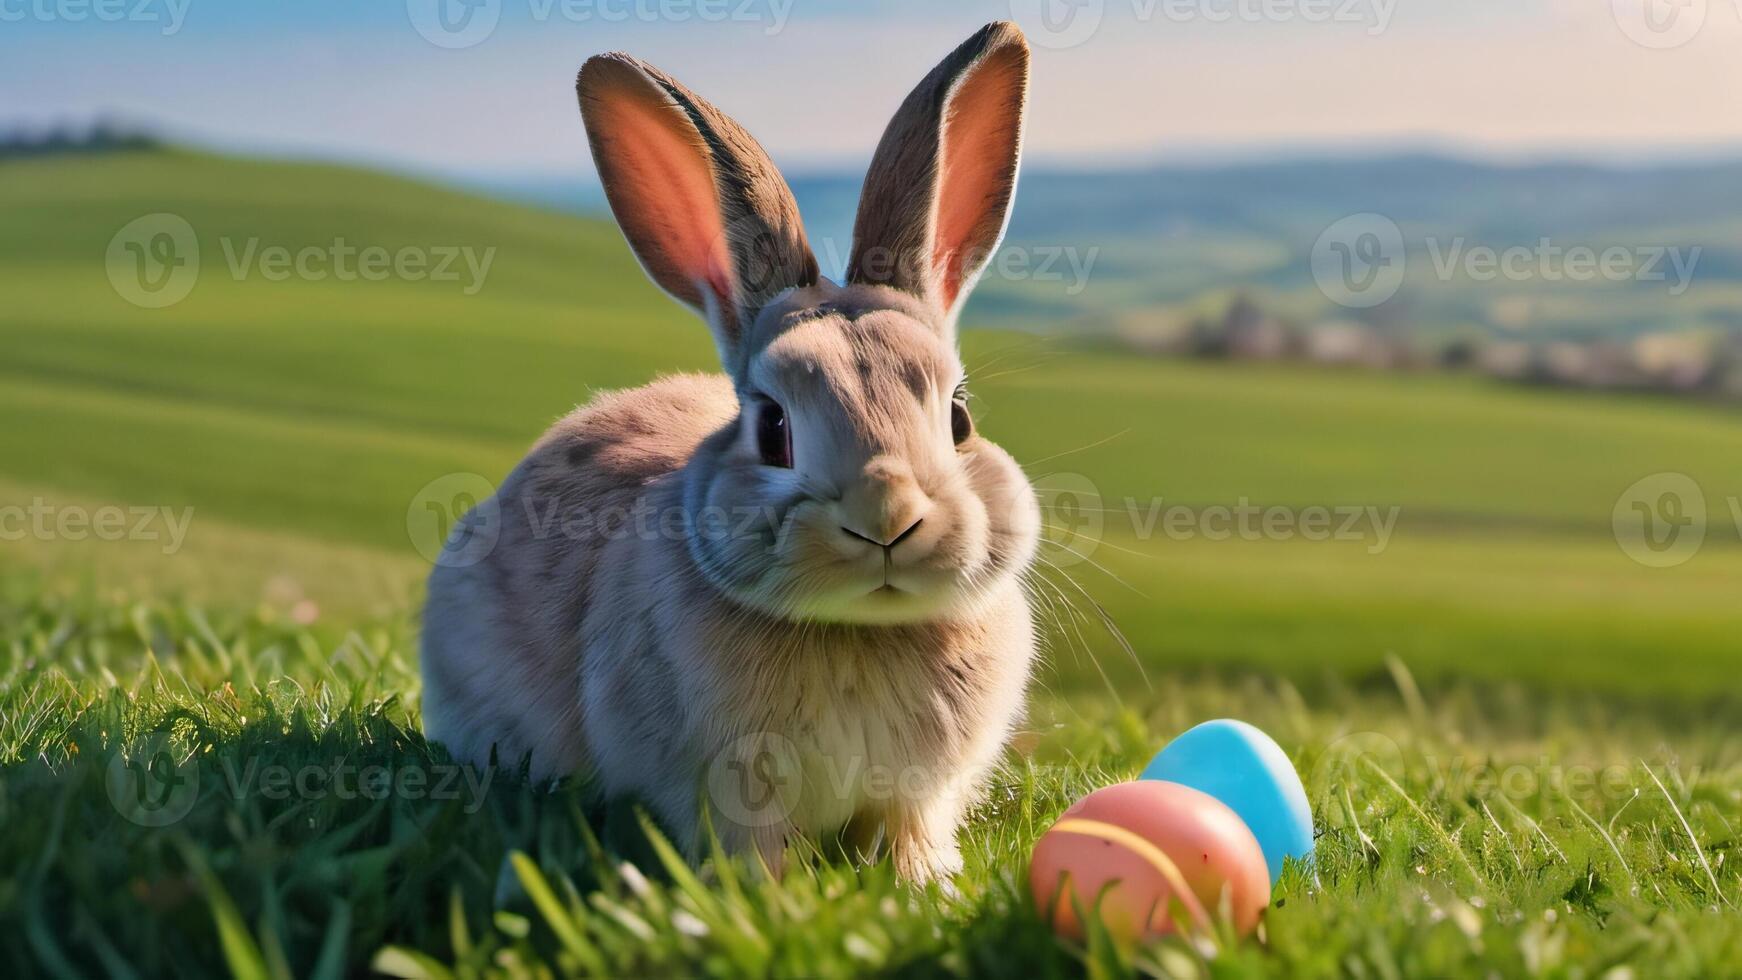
<point>663,194</point>
<point>977,168</point>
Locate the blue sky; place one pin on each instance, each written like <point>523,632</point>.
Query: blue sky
<point>488,91</point>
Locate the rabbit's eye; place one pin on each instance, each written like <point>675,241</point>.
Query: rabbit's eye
<point>961,423</point>
<point>773,435</point>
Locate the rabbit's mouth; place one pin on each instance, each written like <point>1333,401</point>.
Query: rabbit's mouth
<point>902,596</point>
<point>886,605</point>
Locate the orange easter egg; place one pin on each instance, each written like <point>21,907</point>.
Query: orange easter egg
<point>1148,851</point>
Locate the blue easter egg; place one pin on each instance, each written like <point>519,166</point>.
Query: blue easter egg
<point>1244,768</point>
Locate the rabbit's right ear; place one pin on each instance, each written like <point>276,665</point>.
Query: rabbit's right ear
<point>704,209</point>
<point>938,193</point>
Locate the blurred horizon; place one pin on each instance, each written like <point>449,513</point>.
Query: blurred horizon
<point>482,89</point>
<point>1620,157</point>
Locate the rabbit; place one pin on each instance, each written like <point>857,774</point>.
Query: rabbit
<point>784,601</point>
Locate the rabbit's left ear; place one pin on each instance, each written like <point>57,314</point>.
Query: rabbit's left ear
<point>704,209</point>
<point>938,194</point>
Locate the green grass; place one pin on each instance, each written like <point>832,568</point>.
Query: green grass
<point>300,420</point>
<point>1528,867</point>
<point>1559,612</point>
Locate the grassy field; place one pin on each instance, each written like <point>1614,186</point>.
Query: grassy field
<point>1494,620</point>
<point>1513,836</point>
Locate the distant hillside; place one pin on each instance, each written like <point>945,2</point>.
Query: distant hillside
<point>1156,242</point>
<point>1171,234</point>
<point>20,142</point>
<point>303,402</point>
<point>297,412</point>
<point>296,401</point>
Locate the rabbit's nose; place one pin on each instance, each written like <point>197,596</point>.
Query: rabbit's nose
<point>885,506</point>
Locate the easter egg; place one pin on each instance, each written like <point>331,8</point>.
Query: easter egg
<point>1244,768</point>
<point>1142,854</point>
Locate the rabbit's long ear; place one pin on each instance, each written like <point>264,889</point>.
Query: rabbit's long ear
<point>938,194</point>
<point>705,210</point>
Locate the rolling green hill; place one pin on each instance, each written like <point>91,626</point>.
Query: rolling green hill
<point>1160,240</point>
<point>296,424</point>
<point>315,410</point>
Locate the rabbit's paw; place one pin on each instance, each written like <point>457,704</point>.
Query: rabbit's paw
<point>922,861</point>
